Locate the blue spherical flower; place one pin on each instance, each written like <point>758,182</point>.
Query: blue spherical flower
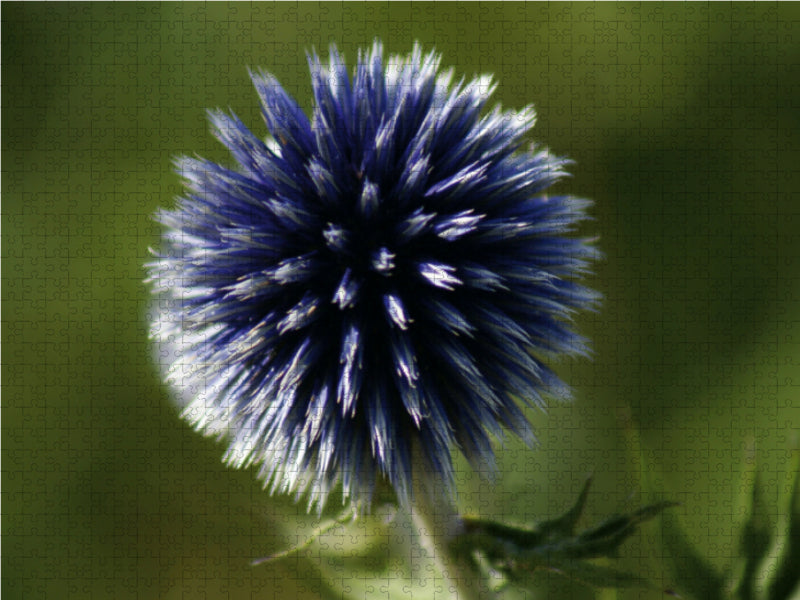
<point>386,274</point>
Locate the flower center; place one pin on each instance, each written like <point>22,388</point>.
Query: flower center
<point>362,247</point>
<point>362,242</point>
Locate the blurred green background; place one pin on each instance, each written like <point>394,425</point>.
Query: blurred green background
<point>683,122</point>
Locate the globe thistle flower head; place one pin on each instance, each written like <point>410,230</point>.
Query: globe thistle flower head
<point>385,274</point>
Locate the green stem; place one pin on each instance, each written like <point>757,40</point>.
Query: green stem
<point>436,522</point>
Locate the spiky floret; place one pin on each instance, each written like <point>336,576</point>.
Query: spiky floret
<point>385,274</point>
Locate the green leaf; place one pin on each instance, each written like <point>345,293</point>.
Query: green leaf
<point>565,524</point>
<point>695,575</point>
<point>517,552</point>
<point>606,538</point>
<point>499,539</point>
<point>754,542</point>
<point>785,583</point>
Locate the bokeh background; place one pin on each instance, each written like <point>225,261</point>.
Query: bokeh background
<point>684,123</point>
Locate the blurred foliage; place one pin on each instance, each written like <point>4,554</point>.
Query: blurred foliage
<point>767,562</point>
<point>512,555</point>
<point>683,122</point>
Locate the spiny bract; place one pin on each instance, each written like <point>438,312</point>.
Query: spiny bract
<point>385,274</point>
